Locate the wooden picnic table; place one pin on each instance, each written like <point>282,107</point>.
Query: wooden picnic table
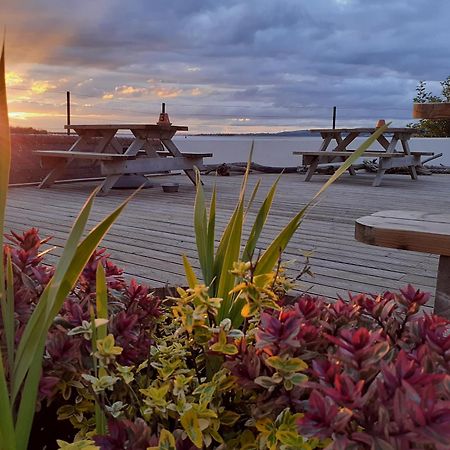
<point>416,231</point>
<point>335,148</point>
<point>152,150</point>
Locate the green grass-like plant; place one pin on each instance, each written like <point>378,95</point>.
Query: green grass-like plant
<point>20,368</point>
<point>217,263</point>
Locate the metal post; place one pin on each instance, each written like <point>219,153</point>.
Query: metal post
<point>68,111</point>
<point>334,117</point>
<point>163,108</point>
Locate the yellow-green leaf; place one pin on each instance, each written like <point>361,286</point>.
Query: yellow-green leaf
<point>106,346</point>
<point>287,436</point>
<point>229,418</point>
<point>85,444</point>
<point>260,220</point>
<point>190,274</point>
<point>7,435</point>
<point>286,364</point>
<point>101,300</point>
<point>5,157</point>
<point>7,308</point>
<point>201,230</point>
<point>191,425</point>
<point>166,440</point>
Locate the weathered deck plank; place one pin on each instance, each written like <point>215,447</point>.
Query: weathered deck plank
<point>156,228</point>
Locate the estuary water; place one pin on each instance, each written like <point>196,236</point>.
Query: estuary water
<point>277,151</point>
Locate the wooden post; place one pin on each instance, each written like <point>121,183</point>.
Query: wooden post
<point>334,117</point>
<point>442,298</point>
<point>68,111</point>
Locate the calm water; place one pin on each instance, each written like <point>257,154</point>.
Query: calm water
<point>272,151</point>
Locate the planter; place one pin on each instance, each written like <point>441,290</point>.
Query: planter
<point>47,429</point>
<point>431,110</point>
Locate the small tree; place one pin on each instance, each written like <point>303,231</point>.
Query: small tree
<point>433,127</point>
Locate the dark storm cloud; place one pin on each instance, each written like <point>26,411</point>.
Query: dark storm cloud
<point>280,54</point>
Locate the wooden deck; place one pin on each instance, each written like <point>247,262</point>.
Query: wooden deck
<point>156,228</point>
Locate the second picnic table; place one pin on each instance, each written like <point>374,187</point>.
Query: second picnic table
<point>388,157</point>
<point>151,150</point>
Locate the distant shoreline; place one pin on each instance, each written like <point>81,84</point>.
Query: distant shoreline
<point>296,133</point>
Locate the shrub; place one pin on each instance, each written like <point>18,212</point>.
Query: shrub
<point>303,373</point>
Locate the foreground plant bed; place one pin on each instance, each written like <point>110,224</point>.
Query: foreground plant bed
<point>369,372</point>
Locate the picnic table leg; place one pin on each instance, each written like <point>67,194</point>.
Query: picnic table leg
<point>379,177</point>
<point>59,166</point>
<point>107,185</point>
<point>173,149</point>
<point>407,151</point>
<point>191,174</point>
<point>51,177</point>
<point>442,297</point>
<point>312,168</point>
<point>413,172</point>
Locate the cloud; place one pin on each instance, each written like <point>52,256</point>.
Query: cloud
<point>130,91</point>
<point>251,58</point>
<point>163,93</point>
<point>14,79</point>
<point>196,92</point>
<point>83,83</point>
<point>40,87</point>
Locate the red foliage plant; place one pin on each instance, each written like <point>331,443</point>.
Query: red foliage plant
<point>133,310</point>
<point>370,372</point>
<point>378,374</point>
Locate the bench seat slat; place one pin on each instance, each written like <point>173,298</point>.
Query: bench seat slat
<point>79,155</point>
<point>106,156</point>
<point>368,153</point>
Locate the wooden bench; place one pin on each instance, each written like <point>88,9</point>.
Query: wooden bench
<point>416,231</point>
<point>52,158</point>
<point>114,164</point>
<point>386,160</point>
<point>78,155</point>
<point>106,156</point>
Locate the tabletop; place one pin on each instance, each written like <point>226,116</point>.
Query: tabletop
<point>129,126</point>
<point>406,230</point>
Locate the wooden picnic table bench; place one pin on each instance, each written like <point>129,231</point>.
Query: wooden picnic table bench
<point>152,150</point>
<point>310,157</point>
<point>50,154</point>
<point>388,157</point>
<point>416,231</point>
<point>93,156</point>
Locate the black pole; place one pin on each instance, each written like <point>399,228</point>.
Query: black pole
<point>163,108</point>
<point>68,111</point>
<point>334,117</point>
